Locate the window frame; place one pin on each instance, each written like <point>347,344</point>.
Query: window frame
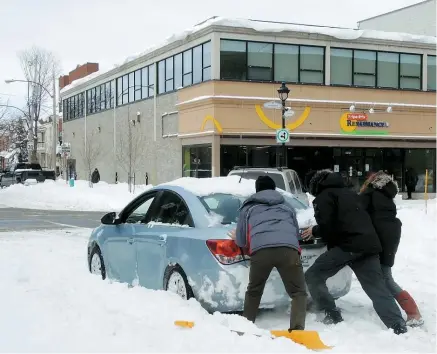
<point>427,69</point>
<point>376,70</point>
<point>299,68</point>
<point>420,77</point>
<point>160,197</point>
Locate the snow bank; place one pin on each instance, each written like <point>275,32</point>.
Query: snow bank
<point>63,308</point>
<point>58,195</point>
<point>346,34</point>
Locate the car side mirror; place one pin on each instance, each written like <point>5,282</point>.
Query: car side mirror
<point>110,219</point>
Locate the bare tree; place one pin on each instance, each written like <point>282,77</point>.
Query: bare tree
<point>90,153</point>
<point>131,146</point>
<point>39,66</point>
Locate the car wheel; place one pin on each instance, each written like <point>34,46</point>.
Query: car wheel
<point>176,282</point>
<point>96,264</point>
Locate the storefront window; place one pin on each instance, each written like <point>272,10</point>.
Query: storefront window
<point>420,160</point>
<point>196,161</point>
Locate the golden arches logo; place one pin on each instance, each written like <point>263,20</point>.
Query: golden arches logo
<point>290,126</point>
<point>214,121</point>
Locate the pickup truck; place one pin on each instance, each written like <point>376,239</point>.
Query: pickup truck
<point>23,171</point>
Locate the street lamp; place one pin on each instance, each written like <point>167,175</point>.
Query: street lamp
<point>53,97</point>
<point>283,92</point>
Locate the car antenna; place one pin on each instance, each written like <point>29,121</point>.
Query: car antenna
<point>244,171</point>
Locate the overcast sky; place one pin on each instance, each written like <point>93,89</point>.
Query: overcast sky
<point>107,31</point>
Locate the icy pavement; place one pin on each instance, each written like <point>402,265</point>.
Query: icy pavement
<point>50,303</point>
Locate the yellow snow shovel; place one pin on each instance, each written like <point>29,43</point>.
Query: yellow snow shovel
<point>309,339</point>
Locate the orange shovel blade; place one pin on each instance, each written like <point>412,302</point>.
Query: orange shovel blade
<point>309,339</point>
<point>186,324</point>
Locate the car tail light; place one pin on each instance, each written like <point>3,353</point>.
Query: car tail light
<point>226,251</point>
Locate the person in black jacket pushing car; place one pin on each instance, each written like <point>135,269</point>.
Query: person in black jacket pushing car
<point>352,241</point>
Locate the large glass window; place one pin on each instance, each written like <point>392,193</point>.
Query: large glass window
<point>188,67</point>
<point>144,82</point>
<point>108,95</point>
<point>206,61</point>
<point>233,63</point>
<point>152,80</point>
<point>260,61</point>
<point>125,89</point>
<point>161,76</point>
<point>197,64</point>
<point>286,63</point>
<point>411,71</point>
<point>364,68</point>
<point>421,160</point>
<point>178,71</point>
<point>169,74</point>
<point>431,73</point>
<point>138,85</point>
<point>196,161</point>
<point>113,93</point>
<point>341,66</point>
<point>311,65</point>
<point>119,91</point>
<point>388,70</point>
<point>131,86</point>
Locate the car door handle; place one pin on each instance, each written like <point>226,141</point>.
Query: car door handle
<point>130,240</point>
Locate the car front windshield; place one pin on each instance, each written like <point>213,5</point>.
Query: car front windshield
<point>226,206</point>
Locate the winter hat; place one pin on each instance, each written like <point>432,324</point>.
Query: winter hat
<point>315,181</point>
<point>263,183</point>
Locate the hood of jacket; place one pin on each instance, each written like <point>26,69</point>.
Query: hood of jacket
<point>269,197</point>
<point>384,183</point>
<point>324,179</point>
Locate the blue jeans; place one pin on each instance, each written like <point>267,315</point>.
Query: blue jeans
<point>392,286</point>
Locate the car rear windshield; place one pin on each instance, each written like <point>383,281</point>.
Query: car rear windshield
<point>277,177</point>
<point>226,206</point>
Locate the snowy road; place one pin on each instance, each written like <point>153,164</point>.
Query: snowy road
<point>14,219</point>
<point>50,303</point>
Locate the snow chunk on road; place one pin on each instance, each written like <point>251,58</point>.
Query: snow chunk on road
<point>58,195</point>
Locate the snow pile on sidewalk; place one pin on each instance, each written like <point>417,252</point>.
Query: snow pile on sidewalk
<point>58,195</point>
<point>53,304</point>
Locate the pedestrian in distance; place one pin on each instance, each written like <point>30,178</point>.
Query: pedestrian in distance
<point>352,241</point>
<point>377,195</point>
<point>268,229</point>
<point>95,176</point>
<point>411,180</point>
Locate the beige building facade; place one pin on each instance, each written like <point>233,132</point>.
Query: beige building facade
<point>362,101</point>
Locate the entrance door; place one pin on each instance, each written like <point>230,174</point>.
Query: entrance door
<point>350,163</point>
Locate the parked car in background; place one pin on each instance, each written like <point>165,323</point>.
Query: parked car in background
<point>22,171</point>
<point>173,237</point>
<point>285,179</point>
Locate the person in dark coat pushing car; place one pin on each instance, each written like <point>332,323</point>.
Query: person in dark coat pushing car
<point>377,195</point>
<point>352,241</point>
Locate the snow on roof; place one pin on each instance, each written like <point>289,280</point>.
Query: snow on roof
<point>207,186</point>
<point>346,34</point>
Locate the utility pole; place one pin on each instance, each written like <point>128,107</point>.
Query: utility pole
<point>55,125</point>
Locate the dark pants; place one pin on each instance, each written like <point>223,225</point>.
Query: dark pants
<point>287,261</point>
<point>369,274</point>
<point>410,190</point>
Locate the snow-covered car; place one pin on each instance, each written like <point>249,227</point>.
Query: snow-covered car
<point>175,237</point>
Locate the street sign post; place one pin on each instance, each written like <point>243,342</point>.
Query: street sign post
<point>282,136</point>
<point>289,113</point>
<point>272,105</point>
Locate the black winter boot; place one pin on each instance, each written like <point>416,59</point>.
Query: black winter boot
<point>332,317</point>
<point>399,328</point>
